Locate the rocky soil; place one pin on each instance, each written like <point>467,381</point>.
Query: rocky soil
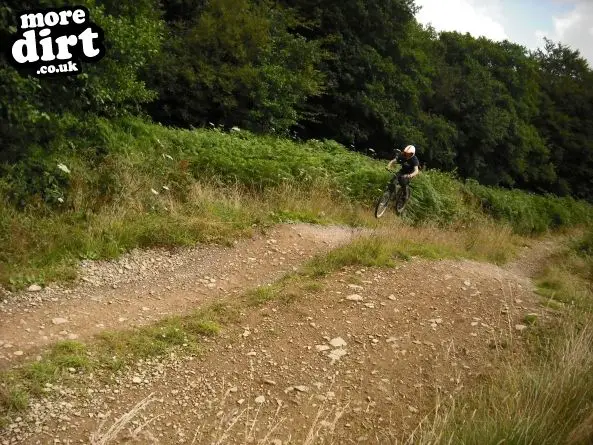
<point>144,286</point>
<point>362,359</point>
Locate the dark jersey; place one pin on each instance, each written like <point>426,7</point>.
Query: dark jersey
<point>408,165</point>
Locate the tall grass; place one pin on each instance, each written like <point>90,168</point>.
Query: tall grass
<point>528,213</point>
<point>386,247</point>
<point>108,157</point>
<point>134,184</point>
<point>43,248</point>
<point>549,402</point>
<point>568,276</point>
<point>547,398</point>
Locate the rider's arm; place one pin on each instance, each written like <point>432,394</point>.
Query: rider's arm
<point>414,173</point>
<point>394,161</point>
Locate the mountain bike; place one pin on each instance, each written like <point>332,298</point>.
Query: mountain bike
<point>400,195</point>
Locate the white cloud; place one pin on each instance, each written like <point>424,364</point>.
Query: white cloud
<point>479,18</point>
<point>490,18</point>
<point>539,35</point>
<point>574,28</point>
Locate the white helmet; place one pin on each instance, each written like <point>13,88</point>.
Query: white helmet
<point>409,151</point>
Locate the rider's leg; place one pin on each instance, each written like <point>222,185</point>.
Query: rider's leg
<point>405,183</point>
<point>392,183</point>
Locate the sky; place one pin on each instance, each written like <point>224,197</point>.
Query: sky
<point>525,22</point>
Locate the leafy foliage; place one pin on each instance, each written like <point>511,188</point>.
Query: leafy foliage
<point>566,119</point>
<point>29,106</point>
<point>235,63</point>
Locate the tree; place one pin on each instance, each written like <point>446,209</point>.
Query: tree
<point>489,92</point>
<point>30,107</point>
<point>566,117</point>
<point>235,63</point>
<point>374,76</point>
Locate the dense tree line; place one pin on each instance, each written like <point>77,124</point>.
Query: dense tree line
<point>366,74</point>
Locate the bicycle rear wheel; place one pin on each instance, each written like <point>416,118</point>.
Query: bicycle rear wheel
<point>401,200</point>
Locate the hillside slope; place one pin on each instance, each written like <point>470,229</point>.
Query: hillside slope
<point>129,184</point>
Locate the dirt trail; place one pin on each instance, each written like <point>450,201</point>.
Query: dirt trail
<point>360,360</point>
<point>530,261</point>
<point>146,286</point>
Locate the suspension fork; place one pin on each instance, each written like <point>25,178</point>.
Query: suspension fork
<point>392,186</point>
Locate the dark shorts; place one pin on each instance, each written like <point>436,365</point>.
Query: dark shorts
<point>404,182</point>
<point>399,179</point>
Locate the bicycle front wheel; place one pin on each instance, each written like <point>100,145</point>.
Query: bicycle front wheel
<point>382,204</point>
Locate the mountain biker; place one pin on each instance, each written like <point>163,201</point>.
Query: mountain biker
<point>410,163</point>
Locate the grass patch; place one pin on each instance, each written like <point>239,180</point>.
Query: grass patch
<point>567,279</point>
<point>157,339</point>
<point>287,290</point>
<point>144,343</point>
<point>298,287</point>
<point>386,248</point>
<point>14,399</point>
<point>261,295</point>
<point>566,288</point>
<point>312,286</point>
<point>206,328</point>
<point>366,251</point>
<point>16,386</point>
<point>547,397</point>
<point>111,351</point>
<point>545,401</point>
